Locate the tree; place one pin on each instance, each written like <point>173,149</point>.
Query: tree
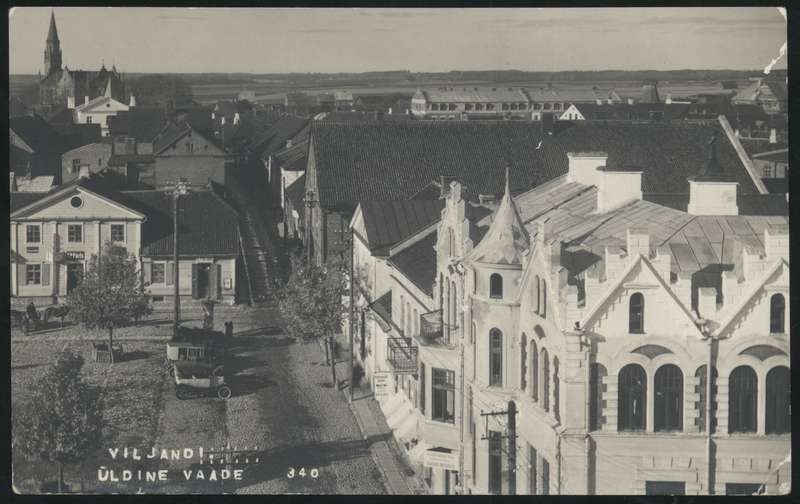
<point>62,421</point>
<point>111,294</point>
<point>160,89</point>
<point>311,303</point>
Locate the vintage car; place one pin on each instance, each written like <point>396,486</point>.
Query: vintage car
<point>195,345</point>
<point>196,379</point>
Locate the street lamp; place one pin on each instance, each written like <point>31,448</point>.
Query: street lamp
<point>179,189</point>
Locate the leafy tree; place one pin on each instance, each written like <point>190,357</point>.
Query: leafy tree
<point>311,302</point>
<point>160,89</point>
<point>111,294</point>
<point>62,421</point>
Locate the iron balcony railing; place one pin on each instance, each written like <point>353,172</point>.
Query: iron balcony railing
<point>433,330</point>
<point>402,355</point>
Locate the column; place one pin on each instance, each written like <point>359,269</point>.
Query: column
<point>761,403</point>
<point>650,401</point>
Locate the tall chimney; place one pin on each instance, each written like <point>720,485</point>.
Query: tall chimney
<point>712,191</point>
<point>583,167</point>
<point>773,136</point>
<point>132,102</point>
<point>70,102</point>
<point>85,99</point>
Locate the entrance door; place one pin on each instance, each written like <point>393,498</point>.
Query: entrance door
<point>203,280</point>
<point>74,276</point>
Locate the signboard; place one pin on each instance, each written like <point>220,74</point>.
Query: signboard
<point>74,255</point>
<point>441,459</point>
<point>381,384</point>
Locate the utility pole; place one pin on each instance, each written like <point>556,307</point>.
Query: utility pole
<point>512,448</point>
<point>179,189</point>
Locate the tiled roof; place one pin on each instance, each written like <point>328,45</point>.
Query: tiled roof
<point>34,131</point>
<point>506,240</point>
<point>293,158</point>
<point>749,204</point>
<point>390,222</point>
<point>461,94</point>
<point>394,161</point>
<point>417,262</point>
<point>207,225</point>
<point>17,107</point>
<point>637,111</point>
<point>41,184</point>
<point>124,159</point>
<point>757,147</point>
<point>18,200</point>
<point>571,95</point>
<point>383,306</point>
<point>359,116</point>
<point>141,123</point>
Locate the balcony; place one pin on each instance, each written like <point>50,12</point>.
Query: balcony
<point>402,355</point>
<point>433,331</point>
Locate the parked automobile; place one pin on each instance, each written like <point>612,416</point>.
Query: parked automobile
<point>195,345</point>
<point>197,379</point>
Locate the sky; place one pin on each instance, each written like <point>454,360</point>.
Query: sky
<point>272,40</point>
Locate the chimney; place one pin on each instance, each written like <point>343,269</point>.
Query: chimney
<point>390,110</point>
<point>618,187</point>
<point>132,102</point>
<point>84,172</point>
<point>669,98</point>
<point>599,101</point>
<point>630,101</point>
<point>222,121</point>
<point>707,302</point>
<point>776,241</point>
<point>236,118</point>
<point>70,102</point>
<point>583,166</point>
<point>638,242</point>
<point>773,136</point>
<point>86,99</point>
<point>547,124</point>
<point>712,191</point>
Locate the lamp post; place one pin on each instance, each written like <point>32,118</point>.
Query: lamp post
<point>178,190</point>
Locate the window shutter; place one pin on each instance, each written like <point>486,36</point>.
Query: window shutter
<point>46,274</point>
<point>148,273</point>
<point>170,272</point>
<point>195,275</point>
<point>213,279</point>
<point>21,277</point>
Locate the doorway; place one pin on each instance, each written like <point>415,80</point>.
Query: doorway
<point>203,280</point>
<point>74,275</point>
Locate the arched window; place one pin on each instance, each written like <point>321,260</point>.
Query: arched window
<point>777,312</point>
<point>632,398</point>
<point>543,299</point>
<point>415,322</point>
<point>453,306</point>
<point>536,294</point>
<point>534,371</point>
<point>596,389</point>
<point>556,390</point>
<point>779,411</point>
<point>636,314</point>
<point>742,400</point>
<point>496,358</point>
<point>451,243</point>
<point>701,390</point>
<point>402,319</point>
<point>474,331</point>
<point>668,404</point>
<point>446,311</point>
<point>410,321</point>
<point>523,361</point>
<point>545,365</point>
<point>496,286</point>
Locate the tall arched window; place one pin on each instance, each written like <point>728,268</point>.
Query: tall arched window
<point>742,400</point>
<point>496,286</point>
<point>402,320</point>
<point>596,389</point>
<point>536,289</point>
<point>543,299</point>
<point>556,390</point>
<point>668,404</point>
<point>534,371</point>
<point>636,313</point>
<point>545,365</point>
<point>632,397</point>
<point>496,358</point>
<point>701,389</point>
<point>415,322</point>
<point>779,411</point>
<point>446,311</point>
<point>777,313</point>
<point>453,306</point>
<point>409,321</point>
<point>523,361</point>
<point>451,249</point>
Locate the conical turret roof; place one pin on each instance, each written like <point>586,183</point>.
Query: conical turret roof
<point>107,94</point>
<point>52,34</point>
<point>506,241</point>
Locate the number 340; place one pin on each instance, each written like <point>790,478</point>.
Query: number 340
<point>301,472</point>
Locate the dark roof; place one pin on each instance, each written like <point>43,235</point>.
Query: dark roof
<point>61,115</point>
<point>34,131</point>
<point>755,147</point>
<point>418,263</point>
<point>383,306</point>
<point>778,89</point>
<point>776,185</point>
<point>18,200</point>
<point>394,161</point>
<point>141,123</point>
<point>390,222</point>
<point>16,107</point>
<point>296,192</point>
<point>207,225</point>
<point>78,135</point>
<point>636,111</point>
<point>358,116</point>
<point>124,159</point>
<point>281,130</point>
<point>198,116</point>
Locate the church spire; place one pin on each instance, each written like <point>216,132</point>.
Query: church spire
<point>52,34</point>
<point>52,49</point>
<point>107,94</point>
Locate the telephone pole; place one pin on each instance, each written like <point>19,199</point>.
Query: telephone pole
<point>178,190</point>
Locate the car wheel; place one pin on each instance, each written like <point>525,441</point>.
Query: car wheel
<point>182,391</point>
<point>224,392</point>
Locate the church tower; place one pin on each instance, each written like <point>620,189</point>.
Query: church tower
<point>52,51</point>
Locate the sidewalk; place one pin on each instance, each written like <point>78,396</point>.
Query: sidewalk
<point>398,477</point>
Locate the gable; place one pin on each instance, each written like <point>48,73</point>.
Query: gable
<point>751,314</point>
<point>200,146</point>
<point>664,314</point>
<point>102,106</point>
<point>59,207</point>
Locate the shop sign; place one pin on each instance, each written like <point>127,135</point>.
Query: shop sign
<point>381,384</point>
<point>74,255</point>
<point>441,459</point>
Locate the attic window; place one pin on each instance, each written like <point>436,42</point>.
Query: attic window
<point>76,202</point>
<point>108,105</point>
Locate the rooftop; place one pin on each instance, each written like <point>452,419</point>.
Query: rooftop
<point>417,262</point>
<point>390,222</point>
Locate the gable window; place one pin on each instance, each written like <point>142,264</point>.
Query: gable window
<point>536,294</point>
<point>33,274</point>
<point>777,311</point>
<point>76,166</point>
<point>523,362</point>
<point>189,147</point>
<point>702,391</point>
<point>158,273</point>
<point>496,286</point>
<point>444,387</point>
<point>496,358</point>
<point>118,232</point>
<point>742,400</point>
<point>33,233</point>
<point>543,299</point>
<point>668,385</point>
<point>631,397</point>
<point>75,233</point>
<point>596,388</point>
<point>636,314</point>
<point>779,411</point>
<point>545,365</point>
<point>88,119</point>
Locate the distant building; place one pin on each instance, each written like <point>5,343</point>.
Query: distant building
<point>34,148</point>
<point>92,157</point>
<point>181,151</point>
<point>769,93</point>
<point>59,83</point>
<point>343,100</point>
<point>98,110</point>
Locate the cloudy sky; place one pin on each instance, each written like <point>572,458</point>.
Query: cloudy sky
<point>355,40</point>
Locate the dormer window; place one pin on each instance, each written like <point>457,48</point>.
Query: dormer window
<point>636,314</point>
<point>496,286</point>
<point>777,311</point>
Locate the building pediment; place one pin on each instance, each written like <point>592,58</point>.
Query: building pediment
<point>75,203</point>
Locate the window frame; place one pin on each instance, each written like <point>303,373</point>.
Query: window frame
<point>33,229</point>
<point>629,421</point>
<point>443,395</point>
<point>35,270</point>
<point>495,352</point>
<point>668,399</point>
<point>111,232</point>
<point>70,228</point>
<point>636,318</point>
<point>496,286</point>
<point>777,419</point>
<point>742,394</point>
<point>153,265</point>
<point>777,313</point>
